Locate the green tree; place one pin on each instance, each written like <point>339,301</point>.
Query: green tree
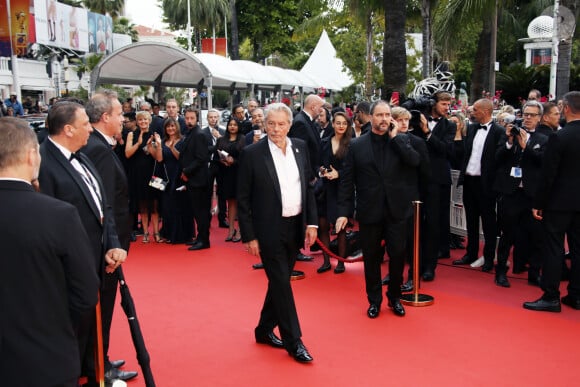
<point>113,7</point>
<point>124,26</point>
<point>394,51</point>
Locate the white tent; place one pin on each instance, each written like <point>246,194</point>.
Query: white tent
<point>325,67</point>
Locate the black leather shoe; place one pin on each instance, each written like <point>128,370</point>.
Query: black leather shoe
<point>325,267</point>
<point>373,311</point>
<point>571,302</point>
<point>339,269</point>
<point>465,260</point>
<point>270,339</point>
<point>407,286</point>
<point>257,266</point>
<point>297,275</point>
<point>397,307</point>
<point>487,266</point>
<point>191,242</point>
<point>117,363</point>
<point>428,275</point>
<point>303,258</point>
<point>534,280</point>
<point>300,354</point>
<point>501,280</point>
<point>114,373</point>
<point>224,224</point>
<point>543,305</point>
<point>199,246</point>
<point>385,281</point>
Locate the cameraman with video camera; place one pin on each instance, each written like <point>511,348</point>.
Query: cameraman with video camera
<point>519,161</point>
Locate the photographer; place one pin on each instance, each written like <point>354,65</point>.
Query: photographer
<point>519,162</point>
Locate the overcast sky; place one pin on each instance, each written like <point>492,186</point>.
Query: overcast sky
<point>144,12</point>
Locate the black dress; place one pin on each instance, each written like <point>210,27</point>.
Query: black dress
<point>229,174</point>
<point>328,203</point>
<point>176,210</point>
<point>140,169</point>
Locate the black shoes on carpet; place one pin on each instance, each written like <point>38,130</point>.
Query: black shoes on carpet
<point>543,305</point>
<point>299,352</point>
<point>270,339</point>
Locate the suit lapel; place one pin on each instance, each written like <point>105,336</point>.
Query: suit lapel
<point>74,174</point>
<point>269,163</point>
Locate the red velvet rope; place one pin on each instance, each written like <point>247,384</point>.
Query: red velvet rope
<point>332,255</point>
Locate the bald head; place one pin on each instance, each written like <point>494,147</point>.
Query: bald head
<point>313,105</point>
<point>483,110</point>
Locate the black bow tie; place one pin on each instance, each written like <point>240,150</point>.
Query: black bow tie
<point>433,119</point>
<point>484,127</point>
<point>74,156</point>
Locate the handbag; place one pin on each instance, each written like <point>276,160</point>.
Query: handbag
<point>156,181</point>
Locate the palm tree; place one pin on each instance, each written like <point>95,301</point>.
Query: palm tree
<point>565,53</point>
<point>203,13</point>
<point>113,7</point>
<point>394,52</point>
<point>124,26</point>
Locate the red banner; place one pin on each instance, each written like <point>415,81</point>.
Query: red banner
<point>220,46</point>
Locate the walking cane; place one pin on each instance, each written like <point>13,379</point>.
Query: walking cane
<point>416,299</point>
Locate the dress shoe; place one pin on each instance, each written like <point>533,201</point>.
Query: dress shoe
<point>407,286</point>
<point>297,275</point>
<point>270,339</point>
<point>198,246</point>
<point>571,302</point>
<point>428,275</point>
<point>224,224</point>
<point>543,305</point>
<point>465,260</point>
<point>373,311</point>
<point>487,266</point>
<point>325,267</point>
<point>534,280</point>
<point>501,280</point>
<point>114,373</point>
<point>385,281</point>
<point>257,266</point>
<point>300,354</point>
<point>191,242</point>
<point>339,269</point>
<point>397,307</point>
<point>117,363</point>
<point>303,258</point>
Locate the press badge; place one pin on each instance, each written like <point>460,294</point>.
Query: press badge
<point>516,172</point>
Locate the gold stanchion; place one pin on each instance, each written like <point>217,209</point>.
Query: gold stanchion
<point>99,354</point>
<point>415,298</point>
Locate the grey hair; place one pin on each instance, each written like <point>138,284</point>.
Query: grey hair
<point>279,107</point>
<point>99,104</point>
<point>536,104</point>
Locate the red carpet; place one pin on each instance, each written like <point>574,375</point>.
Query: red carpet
<point>198,311</point>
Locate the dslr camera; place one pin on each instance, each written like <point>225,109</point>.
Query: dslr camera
<point>511,119</point>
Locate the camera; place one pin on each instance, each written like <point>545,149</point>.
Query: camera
<point>511,119</point>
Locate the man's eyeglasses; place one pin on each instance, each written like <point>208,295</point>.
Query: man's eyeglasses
<point>530,115</point>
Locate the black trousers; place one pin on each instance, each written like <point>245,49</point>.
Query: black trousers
<point>519,229</point>
<point>556,225</point>
<point>435,235</point>
<point>200,204</point>
<point>395,233</point>
<point>479,205</point>
<point>279,308</point>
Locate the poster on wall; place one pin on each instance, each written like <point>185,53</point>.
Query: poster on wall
<point>61,25</point>
<point>22,25</point>
<point>100,33</point>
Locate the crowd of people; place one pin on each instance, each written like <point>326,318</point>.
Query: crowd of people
<point>281,179</point>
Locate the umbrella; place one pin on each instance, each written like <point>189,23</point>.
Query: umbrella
<point>129,307</point>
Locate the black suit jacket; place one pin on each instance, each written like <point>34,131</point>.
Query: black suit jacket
<point>495,137</point>
<point>529,160</point>
<point>560,180</point>
<point>112,173</point>
<point>59,179</point>
<point>47,277</point>
<point>211,148</point>
<point>307,130</point>
<point>194,158</point>
<point>396,187</point>
<point>440,147</point>
<point>260,198</point>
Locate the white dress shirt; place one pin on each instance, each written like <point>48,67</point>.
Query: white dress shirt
<point>288,178</point>
<point>474,164</point>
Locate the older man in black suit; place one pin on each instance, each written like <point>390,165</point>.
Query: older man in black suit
<point>519,161</point>
<point>106,116</point>
<point>382,167</point>
<point>213,132</point>
<point>194,159</point>
<point>69,175</point>
<point>275,202</point>
<point>556,205</point>
<point>477,177</point>
<point>48,275</point>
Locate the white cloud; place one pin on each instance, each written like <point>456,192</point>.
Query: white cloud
<point>145,12</point>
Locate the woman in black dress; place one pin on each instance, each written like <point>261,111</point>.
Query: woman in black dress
<point>334,150</point>
<point>228,148</point>
<point>139,147</point>
<point>176,208</point>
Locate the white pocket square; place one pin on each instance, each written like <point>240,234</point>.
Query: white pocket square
<point>537,146</point>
